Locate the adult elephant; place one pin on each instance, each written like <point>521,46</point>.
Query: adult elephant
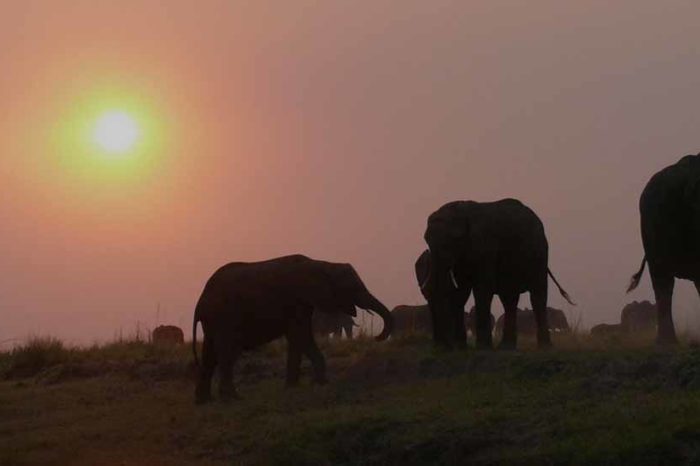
<point>527,321</point>
<point>490,248</point>
<point>410,320</point>
<point>669,208</point>
<point>639,316</point>
<point>247,304</point>
<point>335,324</point>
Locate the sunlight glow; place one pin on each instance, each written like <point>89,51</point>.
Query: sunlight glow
<point>116,132</point>
<point>109,137</point>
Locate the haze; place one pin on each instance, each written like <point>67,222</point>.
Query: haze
<point>332,129</point>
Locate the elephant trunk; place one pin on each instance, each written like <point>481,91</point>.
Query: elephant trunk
<point>371,303</point>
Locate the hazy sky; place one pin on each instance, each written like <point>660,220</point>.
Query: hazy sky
<point>332,129</point>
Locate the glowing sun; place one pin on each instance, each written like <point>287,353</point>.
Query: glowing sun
<point>116,132</point>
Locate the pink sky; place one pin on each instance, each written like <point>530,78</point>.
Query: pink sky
<point>332,129</point>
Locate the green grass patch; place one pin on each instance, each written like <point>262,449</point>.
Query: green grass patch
<point>397,402</point>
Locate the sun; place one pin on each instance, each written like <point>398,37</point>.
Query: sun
<point>116,132</point>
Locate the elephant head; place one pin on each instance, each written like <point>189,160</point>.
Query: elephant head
<point>447,236</point>
<point>338,288</point>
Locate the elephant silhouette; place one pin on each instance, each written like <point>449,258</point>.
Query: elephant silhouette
<point>669,210</point>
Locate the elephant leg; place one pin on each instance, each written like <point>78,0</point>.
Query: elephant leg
<point>206,372</point>
<point>435,321</point>
<point>227,355</point>
<point>482,301</point>
<point>457,311</point>
<point>441,310</point>
<point>293,360</point>
<point>318,362</point>
<point>348,332</point>
<point>510,321</point>
<point>538,298</point>
<point>663,290</point>
<point>301,341</point>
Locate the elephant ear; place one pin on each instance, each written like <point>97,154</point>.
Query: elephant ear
<point>314,287</point>
<point>334,288</point>
<point>345,281</point>
<point>448,227</point>
<point>422,269</point>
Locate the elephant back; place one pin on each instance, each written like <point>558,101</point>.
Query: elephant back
<point>168,335</point>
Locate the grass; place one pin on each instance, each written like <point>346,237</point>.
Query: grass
<point>615,401</point>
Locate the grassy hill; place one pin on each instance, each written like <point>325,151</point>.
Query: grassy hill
<point>398,402</point>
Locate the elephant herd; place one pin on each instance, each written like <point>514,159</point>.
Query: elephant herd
<point>635,317</point>
<point>484,249</point>
<point>416,319</point>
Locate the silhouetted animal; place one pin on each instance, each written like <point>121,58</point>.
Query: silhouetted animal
<point>669,208</point>
<point>557,320</point>
<point>491,248</point>
<point>607,330</point>
<point>639,316</point>
<point>470,321</point>
<point>247,304</point>
<point>167,335</point>
<point>409,320</point>
<point>527,321</point>
<point>332,324</point>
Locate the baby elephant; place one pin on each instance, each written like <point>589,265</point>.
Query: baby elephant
<point>247,304</point>
<point>167,335</point>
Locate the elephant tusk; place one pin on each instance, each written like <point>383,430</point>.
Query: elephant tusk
<point>452,277</point>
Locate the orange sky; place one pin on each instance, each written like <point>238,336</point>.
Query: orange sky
<point>332,129</point>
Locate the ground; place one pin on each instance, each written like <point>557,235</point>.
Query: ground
<point>397,402</point>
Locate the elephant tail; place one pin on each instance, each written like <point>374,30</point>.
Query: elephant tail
<point>634,282</point>
<point>562,291</point>
<point>194,338</point>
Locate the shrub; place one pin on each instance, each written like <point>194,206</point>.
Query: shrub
<point>35,355</point>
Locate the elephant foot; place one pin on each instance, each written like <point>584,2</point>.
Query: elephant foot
<point>202,396</point>
<point>667,341</point>
<point>229,395</point>
<point>234,396</point>
<point>507,346</point>
<point>484,346</point>
<point>202,399</point>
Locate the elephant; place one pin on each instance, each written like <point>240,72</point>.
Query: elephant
<point>167,335</point>
<point>639,316</point>
<point>557,320</point>
<point>669,208</point>
<point>527,321</point>
<point>246,304</point>
<point>325,324</point>
<point>411,320</point>
<point>607,330</point>
<point>490,248</point>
